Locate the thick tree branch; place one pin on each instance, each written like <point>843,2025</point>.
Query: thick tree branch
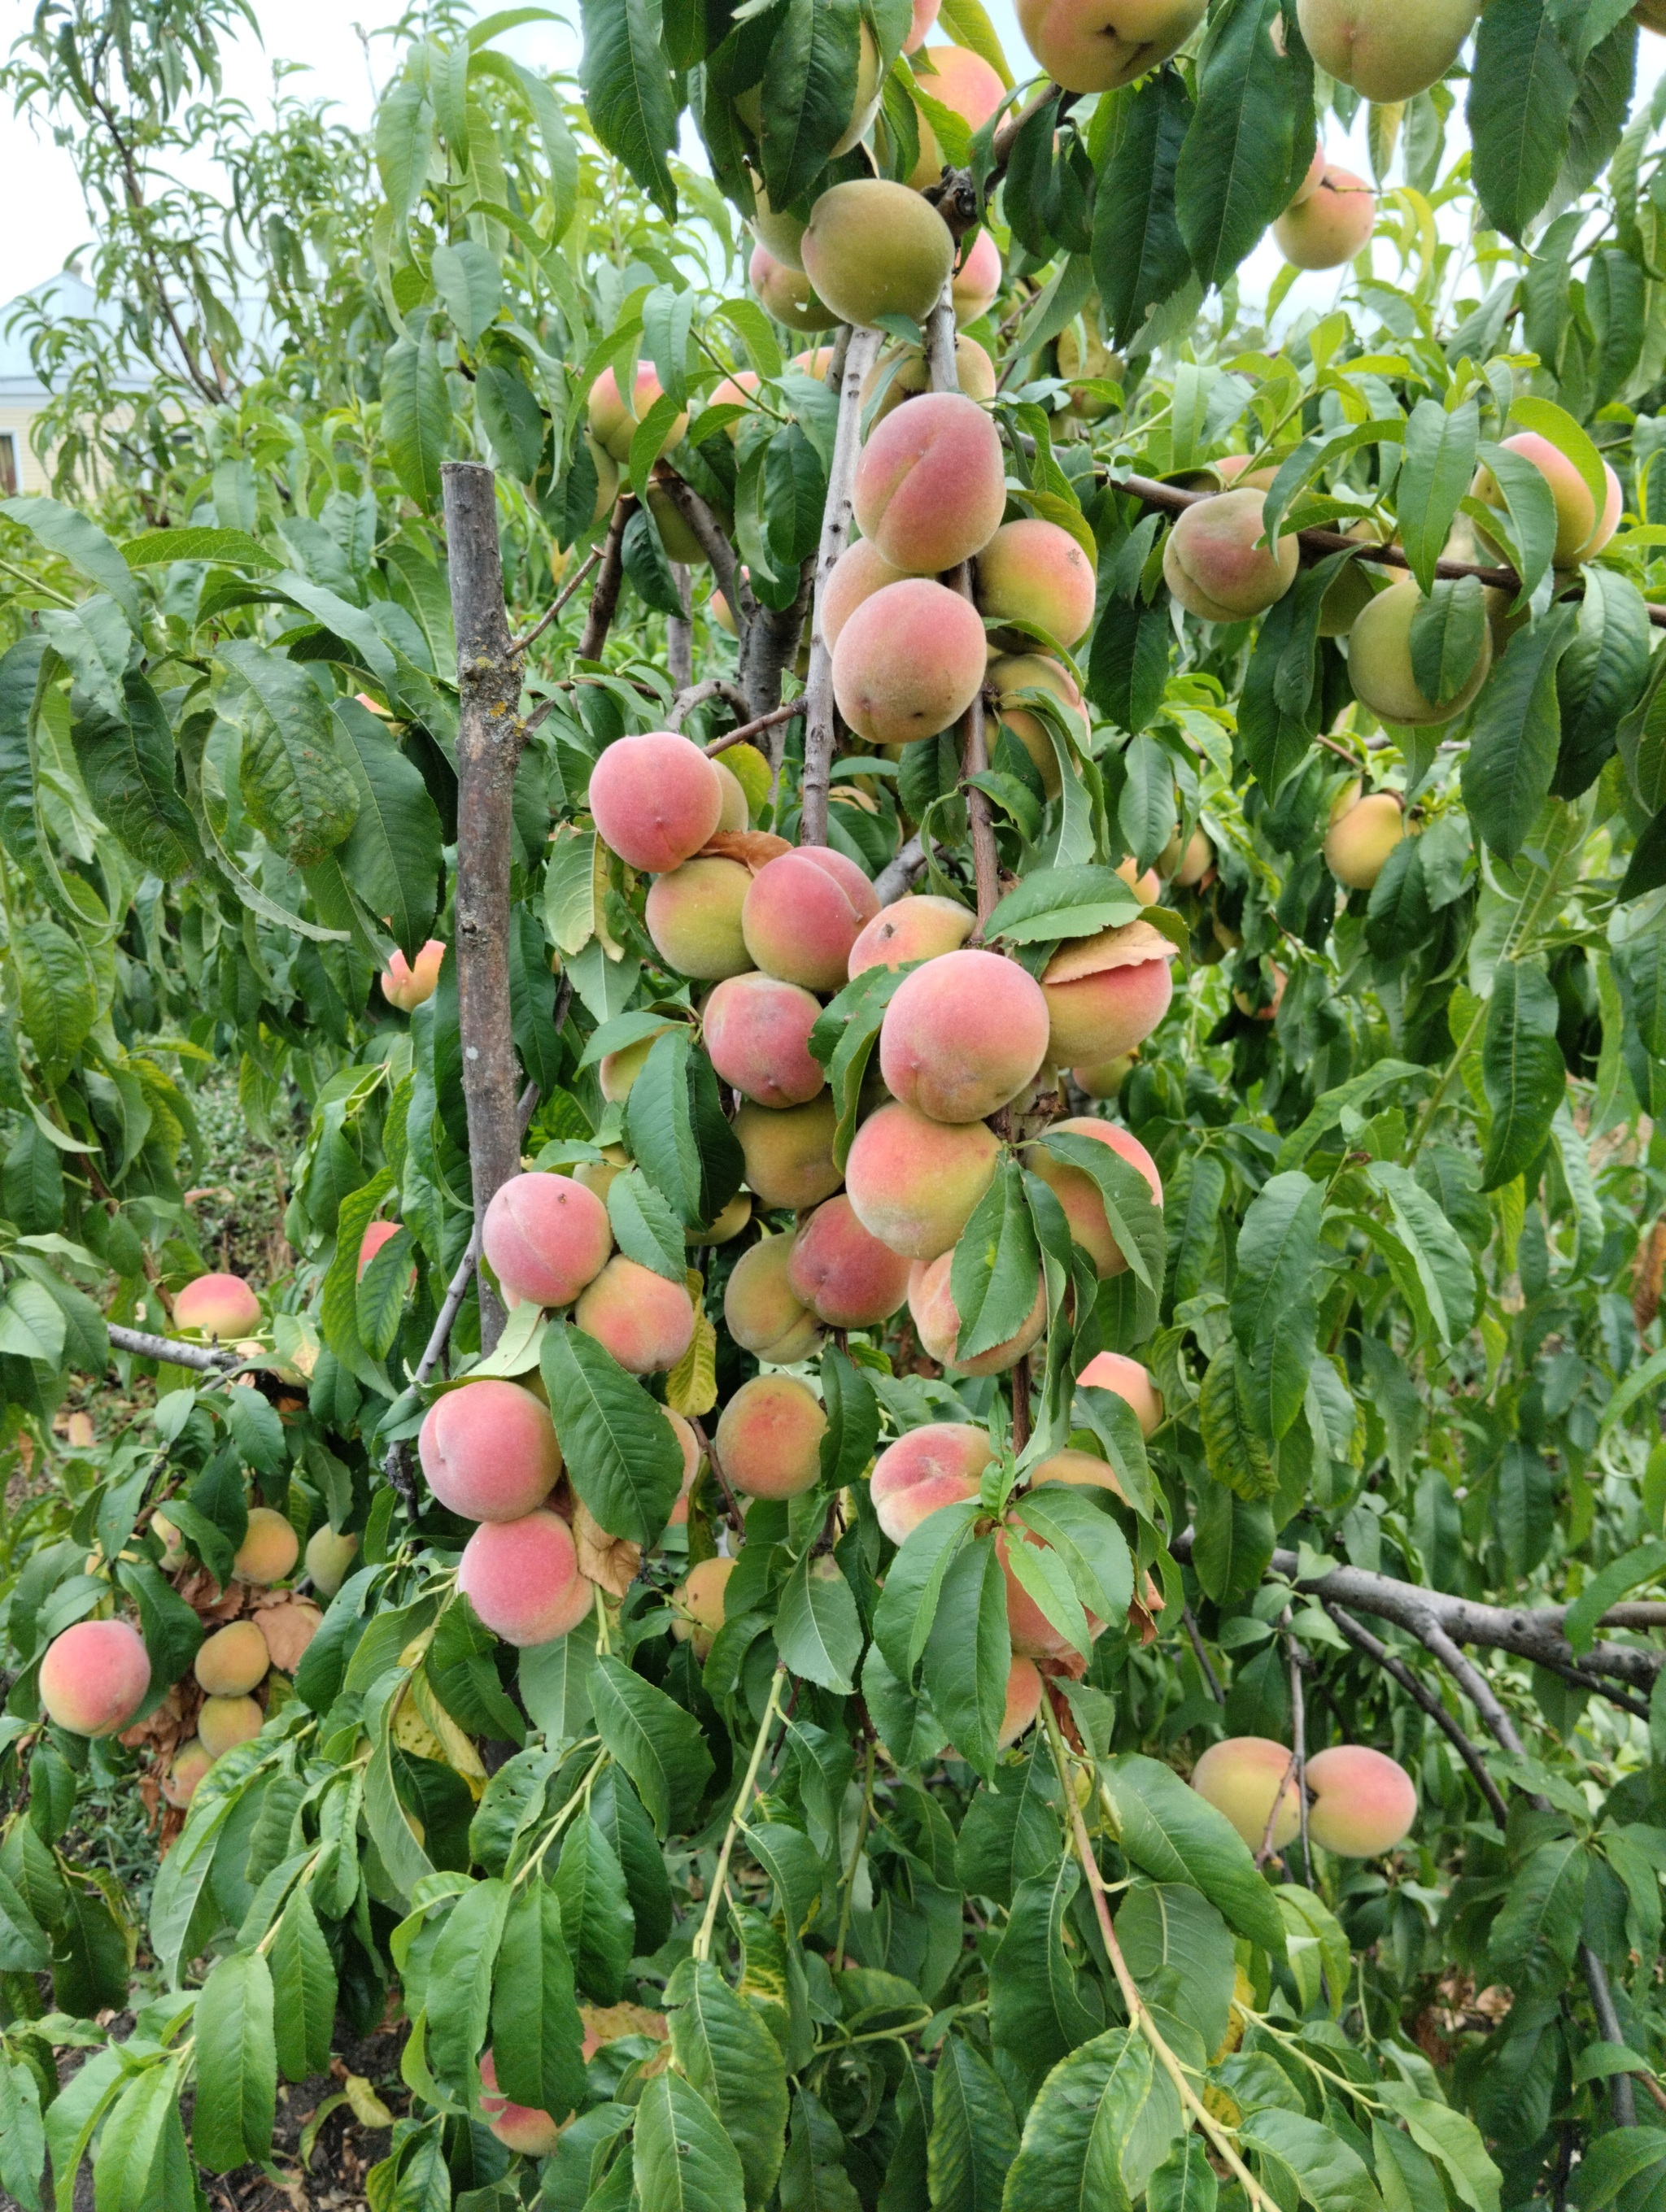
<point>207,1359</point>
<point>861,351</point>
<point>679,633</point>
<point>605,599</point>
<point>898,873</point>
<point>770,645</point>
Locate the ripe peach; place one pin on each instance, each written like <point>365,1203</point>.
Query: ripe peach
<point>689,1445</point>
<point>613,424</point>
<point>694,918</point>
<point>975,284</point>
<point>697,1604</point>
<point>656,799</point>
<point>789,1152</point>
<point>1127,1378</point>
<point>1333,224</point>
<point>1215,568</point>
<point>217,1305</point>
<point>787,293</point>
<point>937,1321</point>
<point>925,15</point>
<point>1363,832</point>
<point>1187,865</point>
<point>930,483</point>
<point>872,247</point>
<point>769,1436</point>
<point>740,390</point>
<point>1079,1195</point>
<point>860,571</point>
<point>372,1240</point>
<point>1387,49</point>
<point>522,1578</point>
<point>94,1677</point>
<point>192,1761</point>
<point>1310,184</point>
<point>268,1550</point>
<point>917,928</point>
<point>329,1558</point>
<point>756,1031</point>
<point>1093,45</point>
<point>1244,1777</point>
<point>169,1538</point>
<point>1380,661</point>
<point>1034,572</point>
<point>1146,888</point>
<point>1363,1802</point>
<point>963,1036</point>
<point>814,361</point>
<point>938,1465</point>
<point>520,2128</point>
<point>224,1722</point>
<point>845,1276</point>
<point>288,1629</point>
<point>407,985</point>
<point>1080,1468</point>
<point>1103,1078</point>
<point>760,1310</point>
<point>616,1071</point>
<point>909,660</point>
<point>597,1176</point>
<point>903,373</point>
<point>916,1182</point>
<point>488,1451</point>
<point>1028,671</point>
<point>967,86</point>
<point>730,1220</point>
<point>803,912</point>
<point>646,1321</point>
<point>232,1659</point>
<point>1233,472</point>
<point>1580,533</point>
<point>1107,993</point>
<point>545,1237</point>
<point>1024,1694</point>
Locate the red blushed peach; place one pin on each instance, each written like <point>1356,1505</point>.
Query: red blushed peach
<point>656,799</point>
<point>94,1677</point>
<point>268,1550</point>
<point>937,1321</point>
<point>407,986</point>
<point>769,1438</point>
<point>372,1240</point>
<point>740,390</point>
<point>689,1446</point>
<point>224,1722</point>
<point>925,15</point>
<point>217,1305</point>
<point>1215,565</point>
<point>963,1036</point>
<point>860,571</point>
<point>1079,1195</point>
<point>910,929</point>
<point>1127,1378</point>
<point>1331,225</point>
<point>1243,1779</point>
<point>646,1321</point>
<point>909,660</point>
<point>1107,993</point>
<point>697,1605</point>
<point>845,1276</point>
<point>191,1763</point>
<point>757,1032</point>
<point>1363,1802</point>
<point>1034,572</point>
<point>545,1237</point>
<point>1022,671</point>
<point>1023,1694</point>
<point>788,1152</point>
<point>760,1310</point>
<point>940,1464</point>
<point>1034,1636</point>
<point>488,1451</point>
<point>1094,46</point>
<point>613,424</point>
<point>234,1659</point>
<point>803,912</point>
<point>930,484</point>
<point>976,282</point>
<point>693,915</point>
<point>916,1182</point>
<point>520,2128</point>
<point>968,87</point>
<point>1580,533</point>
<point>814,361</point>
<point>522,1578</point>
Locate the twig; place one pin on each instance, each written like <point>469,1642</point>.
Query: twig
<point>1622,2099</point>
<point>847,1887</point>
<point>821,725</point>
<point>789,713</point>
<point>702,1941</point>
<point>679,632</point>
<point>898,873</point>
<point>605,599</point>
<point>1419,1692</point>
<point>737,1519</point>
<point>695,694</point>
<point>1202,1658</point>
<point>530,637</point>
<point>208,1360</point>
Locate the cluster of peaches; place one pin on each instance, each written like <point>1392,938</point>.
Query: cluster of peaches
<point>1360,1802</point>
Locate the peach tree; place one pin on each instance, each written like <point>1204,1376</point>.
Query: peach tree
<point>947,1492</point>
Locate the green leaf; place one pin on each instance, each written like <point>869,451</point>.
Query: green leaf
<point>812,2175</point>
<point>1087,1542</point>
<point>57,997</point>
<point>469,283</point>
<point>620,1453</point>
<point>996,1266</point>
<point>1522,92</point>
<point>1140,258</point>
<point>77,538</point>
<point>1274,1300</point>
<point>1599,677</point>
<point>1234,170</point>
<point>658,1745</point>
<point>393,856</point>
<point>303,1991</point>
<point>1454,2142</point>
<point>459,1982</point>
<point>596,1917</point>
<point>142,2161</point>
<point>628,92</point>
<point>1516,734</point>
<point>968,1653</point>
<point>1233,1442</point>
<point>1612,2162</point>
<point>230,549</point>
<point>1531,507</point>
<point>817,1633</point>
<point>1435,472</point>
<point>416,416</point>
<point>807,92</point>
<point>973,2142</point>
<point>296,784</point>
<point>1331,2174</point>
<point>22,2138</point>
<point>680,1136</point>
<point>1179,1949</point>
<point>1135,1219</point>
<point>236,2065</point>
<point>728,2054</point>
<point>644,1227</point>
<point>1172,1834</point>
<point>537,2035</point>
<point>682,2160</point>
<point>1523,1071</point>
<point>1184,2181</point>
<point>90,1956</point>
<point>1039,2007</point>
<point>1448,637</point>
<point>1054,902</point>
<point>1080,2133</point>
<point>1534,1938</point>
<point>128,764</point>
<point>1437,1252</point>
<point>913,1587</point>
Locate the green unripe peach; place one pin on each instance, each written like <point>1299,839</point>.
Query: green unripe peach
<point>1380,661</point>
<point>760,1310</point>
<point>1187,865</point>
<point>329,1559</point>
<point>191,1763</point>
<point>226,1721</point>
<point>1085,354</point>
<point>269,1549</point>
<point>872,248</point>
<point>694,918</point>
<point>788,1152</point>
<point>1388,49</point>
<point>697,1604</point>
<point>787,293</point>
<point>234,1660</point>
<point>1362,834</point>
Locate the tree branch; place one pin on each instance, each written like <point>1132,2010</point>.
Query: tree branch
<point>789,713</point>
<point>708,534</point>
<point>821,725</point>
<point>696,695</point>
<point>207,1359</point>
<point>679,633</point>
<point>530,637</point>
<point>898,873</point>
<point>769,643</point>
<point>605,599</point>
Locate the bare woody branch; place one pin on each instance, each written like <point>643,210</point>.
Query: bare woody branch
<point>820,728</point>
<point>605,599</point>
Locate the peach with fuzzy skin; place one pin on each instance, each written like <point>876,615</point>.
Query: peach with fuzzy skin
<point>1388,49</point>
<point>330,1560</point>
<point>860,571</point>
<point>973,286</point>
<point>613,424</point>
<point>730,1220</point>
<point>224,1722</point>
<point>1079,1468</point>
<point>1380,662</point>
<point>488,1451</point>
<point>842,1272</point>
<point>656,799</point>
<point>694,918</point>
<point>1028,671</point>
<point>769,1438</point>
<point>646,1321</point>
<point>1187,865</point>
<point>545,1237</point>
<point>968,87</point>
<point>1361,834</point>
<point>407,984</point>
<point>521,2127</point>
<point>874,247</point>
<point>963,1036</point>
<point>760,1311</point>
<point>232,1660</point>
<point>697,1604</point>
<point>903,373</point>
<point>740,390</point>
<point>268,1550</point>
<point>94,1677</point>
<point>1363,1802</point>
<point>937,1464</point>
<point>930,483</point>
<point>1079,1195</point>
<point>937,1321</point>
<point>1146,888</point>
<point>1126,1378</point>
<point>217,1305</point>
<point>1094,46</point>
<point>690,1445</point>
<point>925,15</point>
<point>916,1182</point>
<point>788,1152</point>
<point>1034,572</point>
<point>909,660</point>
<point>1580,532</point>
<point>1103,1078</point>
<point>1331,225</point>
<point>920,927</point>
<point>1023,1695</point>
<point>378,1234</point>
<point>616,1071</point>
<point>288,1629</point>
<point>787,294</point>
<point>192,1761</point>
<point>1107,993</point>
<point>522,1578</point>
<point>803,912</point>
<point>756,1031</point>
<point>1214,566</point>
<point>1243,1779</point>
